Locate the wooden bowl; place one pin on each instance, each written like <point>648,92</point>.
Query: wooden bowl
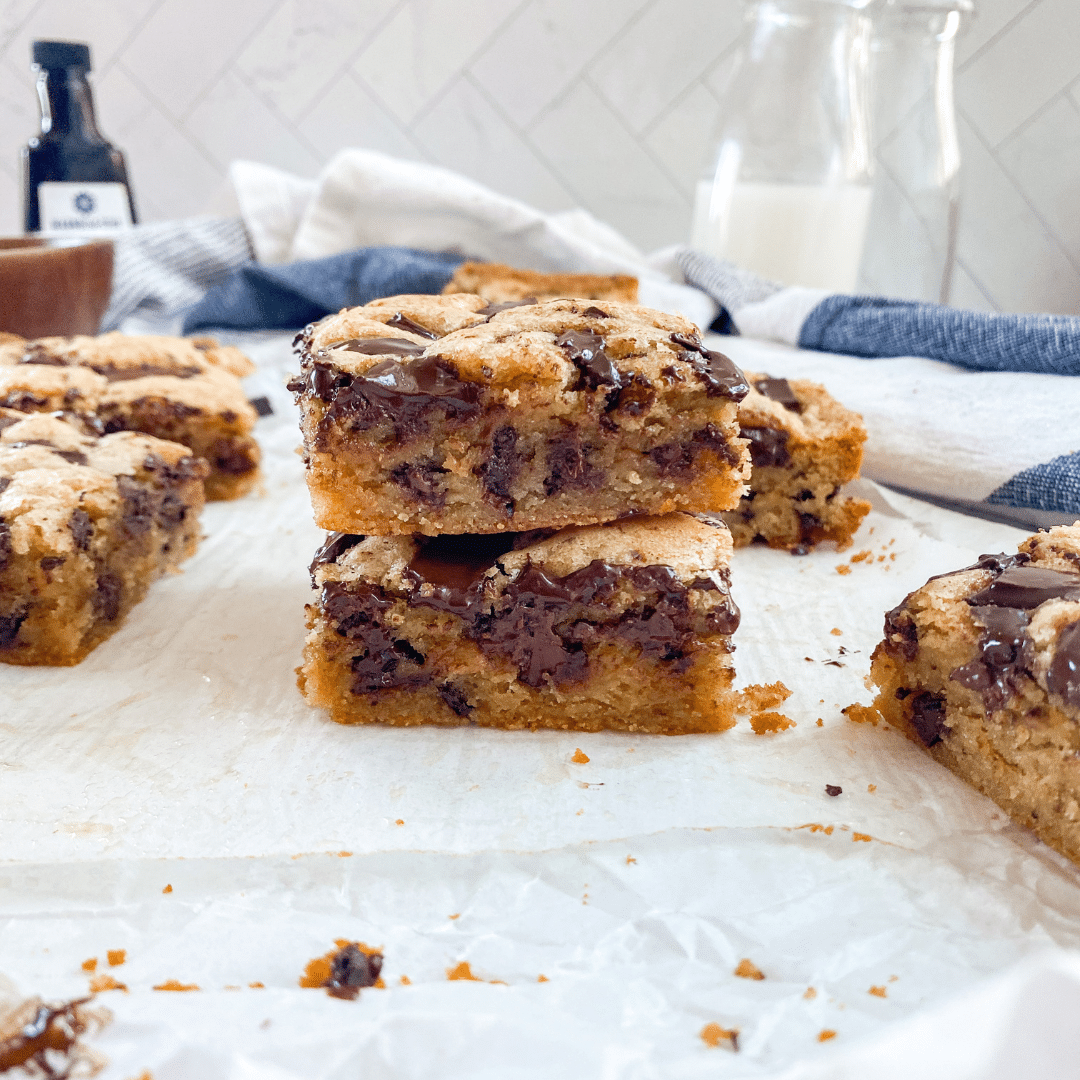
<point>48,288</point>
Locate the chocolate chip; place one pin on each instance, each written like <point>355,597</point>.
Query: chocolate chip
<point>928,718</point>
<point>768,446</point>
<point>73,457</point>
<point>1004,657</point>
<point>595,313</point>
<point>422,480</point>
<point>901,633</point>
<point>333,547</point>
<point>455,699</point>
<point>9,628</point>
<point>51,562</point>
<point>636,397</point>
<point>1063,678</point>
<point>403,322</point>
<point>262,406</point>
<point>1027,587</point>
<point>568,466</point>
<point>585,350</point>
<point>138,506</point>
<point>5,543</point>
<point>833,790</point>
<point>719,374</point>
<point>778,390</point>
<point>352,969</point>
<point>232,457</point>
<point>22,401</point>
<point>107,596</point>
<point>82,528</point>
<point>501,468</point>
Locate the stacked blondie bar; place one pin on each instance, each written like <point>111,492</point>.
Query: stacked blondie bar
<point>515,493</point>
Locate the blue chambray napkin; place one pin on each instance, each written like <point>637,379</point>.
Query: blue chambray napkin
<point>979,410</point>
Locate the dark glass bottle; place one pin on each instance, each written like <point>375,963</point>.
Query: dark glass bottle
<point>76,182</point>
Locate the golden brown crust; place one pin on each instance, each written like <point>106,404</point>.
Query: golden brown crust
<point>498,283</point>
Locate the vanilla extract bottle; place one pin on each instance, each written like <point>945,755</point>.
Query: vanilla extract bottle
<point>75,181</point>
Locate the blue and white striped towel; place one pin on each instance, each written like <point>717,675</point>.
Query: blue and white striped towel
<point>979,410</point>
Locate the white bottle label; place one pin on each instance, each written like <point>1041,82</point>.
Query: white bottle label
<point>68,209</point>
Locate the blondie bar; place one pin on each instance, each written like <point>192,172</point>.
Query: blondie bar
<point>434,414</point>
<point>501,284</point>
<point>179,389</point>
<point>86,524</point>
<point>981,668</point>
<point>624,626</point>
<point>804,446</point>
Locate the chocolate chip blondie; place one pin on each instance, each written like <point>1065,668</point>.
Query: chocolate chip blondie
<point>981,667</point>
<point>86,524</point>
<point>179,389</point>
<point>436,414</point>
<point>500,284</point>
<point>804,446</point>
<point>624,626</point>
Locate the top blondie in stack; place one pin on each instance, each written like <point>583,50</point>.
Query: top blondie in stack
<point>510,489</point>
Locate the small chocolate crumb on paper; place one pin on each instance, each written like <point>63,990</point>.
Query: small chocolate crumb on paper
<point>43,1040</point>
<point>833,790</point>
<point>262,406</point>
<point>345,971</point>
<point>747,969</point>
<point>713,1035</point>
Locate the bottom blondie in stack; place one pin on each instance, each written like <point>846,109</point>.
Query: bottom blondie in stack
<point>517,494</point>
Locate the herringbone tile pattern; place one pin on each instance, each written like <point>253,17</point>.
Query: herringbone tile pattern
<point>558,102</point>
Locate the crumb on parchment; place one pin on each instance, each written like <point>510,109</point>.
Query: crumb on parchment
<point>747,969</point>
<point>770,723</point>
<point>826,1034</point>
<point>714,1035</point>
<point>579,757</point>
<point>862,714</point>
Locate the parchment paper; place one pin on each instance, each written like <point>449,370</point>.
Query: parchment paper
<point>181,754</point>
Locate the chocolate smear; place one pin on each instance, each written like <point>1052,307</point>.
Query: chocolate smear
<point>586,351</point>
<point>719,374</point>
<point>1063,678</point>
<point>1027,587</point>
<point>901,633</point>
<point>494,309</point>
<point>403,322</point>
<point>1004,656</point>
<point>928,718</point>
<point>380,346</point>
<point>333,547</point>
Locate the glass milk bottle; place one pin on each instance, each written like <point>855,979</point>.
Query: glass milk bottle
<point>788,194</point>
<point>911,241</point>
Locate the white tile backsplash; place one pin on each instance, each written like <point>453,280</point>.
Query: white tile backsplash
<point>559,102</point>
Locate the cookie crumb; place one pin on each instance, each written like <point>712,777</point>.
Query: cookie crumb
<point>116,957</point>
<point>843,568</point>
<point>826,1034</point>
<point>345,971</point>
<point>579,757</point>
<point>810,994</point>
<point>713,1035</point>
<point>864,837</point>
<point>769,723</point>
<point>760,697</point>
<point>457,915</point>
<point>630,859</point>
<point>100,983</point>
<point>871,788</point>
<point>833,790</point>
<point>167,889</point>
<point>877,991</point>
<point>862,714</point>
<point>405,980</point>
<point>820,722</point>
<point>542,978</point>
<point>179,987</point>
<point>256,986</point>
<point>862,556</point>
<point>400,821</point>
<point>836,631</point>
<point>90,965</point>
<point>749,970</point>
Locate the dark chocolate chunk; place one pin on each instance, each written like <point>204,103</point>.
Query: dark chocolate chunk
<point>333,547</point>
<point>595,313</point>
<point>778,390</point>
<point>636,396</point>
<point>679,458</point>
<point>901,633</point>
<point>82,528</point>
<point>494,309</point>
<point>1004,657</point>
<point>107,596</point>
<point>381,346</point>
<point>9,628</point>
<point>51,562</point>
<point>10,421</point>
<point>455,698</point>
<point>455,565</point>
<point>1027,587</point>
<point>501,468</point>
<point>352,969</point>
<point>995,563</point>
<point>262,406</point>
<point>568,466</point>
<point>5,543</point>
<point>22,401</point>
<point>403,322</point>
<point>833,790</point>
<point>768,446</point>
<point>138,506</point>
<point>928,718</point>
<point>1063,678</point>
<point>73,457</point>
<point>38,354</point>
<point>586,352</point>
<point>422,480</point>
<point>232,456</point>
<point>143,371</point>
<point>719,374</point>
